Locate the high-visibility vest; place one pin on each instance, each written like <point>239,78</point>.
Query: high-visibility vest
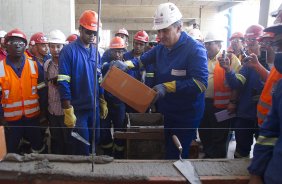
<point>19,95</point>
<point>222,91</point>
<point>265,101</point>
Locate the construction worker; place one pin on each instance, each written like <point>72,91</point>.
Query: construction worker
<point>76,86</point>
<point>181,77</point>
<point>237,44</point>
<point>116,115</point>
<point>20,104</point>
<point>58,130</point>
<point>249,82</point>
<point>196,34</point>
<point>123,33</point>
<point>266,164</point>
<point>71,38</point>
<point>265,42</point>
<point>3,52</point>
<point>218,97</point>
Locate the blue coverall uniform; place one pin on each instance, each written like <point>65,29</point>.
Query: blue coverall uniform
<point>185,63</point>
<point>267,160</point>
<point>248,82</point>
<point>76,83</point>
<point>116,116</point>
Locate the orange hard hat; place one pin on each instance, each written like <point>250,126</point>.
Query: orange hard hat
<point>117,43</point>
<point>71,38</point>
<point>15,33</point>
<point>254,31</point>
<point>141,36</point>
<point>89,20</point>
<point>122,31</point>
<point>236,35</point>
<point>38,38</point>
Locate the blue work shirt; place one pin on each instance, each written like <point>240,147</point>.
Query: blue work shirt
<point>184,63</point>
<point>18,71</point>
<point>78,63</point>
<point>249,92</point>
<point>268,149</point>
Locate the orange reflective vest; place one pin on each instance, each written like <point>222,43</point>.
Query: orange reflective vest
<point>265,101</point>
<point>222,91</point>
<point>19,95</point>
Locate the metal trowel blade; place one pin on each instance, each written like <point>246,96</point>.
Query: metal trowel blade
<point>188,171</point>
<point>79,137</point>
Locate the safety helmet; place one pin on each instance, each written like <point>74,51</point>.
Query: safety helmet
<point>213,36</point>
<point>38,38</point>
<point>117,43</point>
<point>254,31</point>
<point>275,13</point>
<point>2,33</point>
<point>141,36</point>
<point>266,35</point>
<point>122,31</point>
<point>15,33</point>
<point>165,15</point>
<point>89,20</point>
<point>237,35</point>
<point>196,34</point>
<point>71,38</point>
<point>277,26</point>
<point>57,36</point>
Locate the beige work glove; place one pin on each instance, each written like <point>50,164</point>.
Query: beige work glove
<point>103,108</point>
<point>70,118</point>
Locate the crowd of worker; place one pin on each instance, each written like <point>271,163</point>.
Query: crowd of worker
<point>52,84</point>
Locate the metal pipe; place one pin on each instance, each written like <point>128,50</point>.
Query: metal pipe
<point>95,87</point>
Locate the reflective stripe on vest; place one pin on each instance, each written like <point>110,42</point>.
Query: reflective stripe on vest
<point>19,113</point>
<point>2,69</point>
<point>265,101</point>
<point>32,68</point>
<point>150,74</point>
<point>221,89</point>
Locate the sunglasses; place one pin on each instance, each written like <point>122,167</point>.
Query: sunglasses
<point>89,32</point>
<point>17,43</point>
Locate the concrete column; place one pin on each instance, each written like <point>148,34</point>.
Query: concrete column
<point>37,15</point>
<point>264,12</point>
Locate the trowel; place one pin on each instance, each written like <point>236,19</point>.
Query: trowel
<point>3,149</point>
<point>185,167</point>
<point>79,137</point>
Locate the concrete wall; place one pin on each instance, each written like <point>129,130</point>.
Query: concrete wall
<point>37,15</point>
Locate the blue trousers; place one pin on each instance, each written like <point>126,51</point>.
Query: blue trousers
<point>245,129</point>
<point>185,134</point>
<point>116,117</point>
<point>27,128</point>
<point>83,127</point>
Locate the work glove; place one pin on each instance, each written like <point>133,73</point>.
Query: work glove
<point>70,118</point>
<point>161,91</point>
<point>119,64</point>
<point>103,108</point>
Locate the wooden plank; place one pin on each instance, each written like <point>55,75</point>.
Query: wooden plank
<point>3,149</point>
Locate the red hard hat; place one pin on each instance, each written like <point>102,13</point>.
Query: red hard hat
<point>122,31</point>
<point>89,20</point>
<point>15,33</point>
<point>141,36</point>
<point>38,38</point>
<point>254,31</point>
<point>266,35</point>
<point>71,38</point>
<point>117,43</point>
<point>236,35</point>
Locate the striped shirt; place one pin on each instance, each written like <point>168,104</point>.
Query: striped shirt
<point>54,102</point>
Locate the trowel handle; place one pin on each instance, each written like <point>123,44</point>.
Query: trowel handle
<point>177,142</point>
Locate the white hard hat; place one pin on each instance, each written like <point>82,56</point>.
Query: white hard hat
<point>196,34</point>
<point>57,36</point>
<point>165,15</point>
<point>2,33</point>
<point>214,36</point>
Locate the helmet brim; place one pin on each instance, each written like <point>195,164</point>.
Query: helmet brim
<point>277,29</point>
